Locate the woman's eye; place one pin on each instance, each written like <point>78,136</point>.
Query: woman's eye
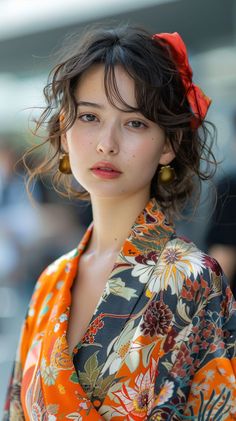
<point>136,124</point>
<point>87,117</point>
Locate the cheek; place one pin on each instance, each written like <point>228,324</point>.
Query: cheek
<point>79,144</point>
<point>148,154</point>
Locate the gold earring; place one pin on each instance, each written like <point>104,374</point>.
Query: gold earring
<point>166,175</point>
<point>64,164</point>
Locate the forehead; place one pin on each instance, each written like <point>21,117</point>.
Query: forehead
<point>92,82</point>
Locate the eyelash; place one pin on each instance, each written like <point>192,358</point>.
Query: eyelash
<point>81,117</point>
<point>140,122</point>
<point>86,115</point>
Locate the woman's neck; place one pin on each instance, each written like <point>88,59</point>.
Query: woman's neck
<point>113,219</point>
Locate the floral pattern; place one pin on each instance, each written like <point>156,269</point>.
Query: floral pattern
<point>161,344</point>
<point>156,319</point>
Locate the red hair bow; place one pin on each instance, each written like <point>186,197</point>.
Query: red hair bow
<point>198,101</point>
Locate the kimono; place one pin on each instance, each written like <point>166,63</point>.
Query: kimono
<point>161,344</point>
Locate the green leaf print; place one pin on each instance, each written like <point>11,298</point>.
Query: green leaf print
<point>148,241</point>
<point>103,385</point>
<point>89,379</point>
<point>74,378</point>
<point>91,369</point>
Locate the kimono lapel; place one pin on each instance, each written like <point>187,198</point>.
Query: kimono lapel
<point>60,386</point>
<point>76,383</point>
<point>123,301</point>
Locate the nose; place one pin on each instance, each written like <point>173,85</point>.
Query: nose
<point>108,141</point>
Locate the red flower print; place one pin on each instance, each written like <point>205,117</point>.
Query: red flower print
<point>156,319</point>
<point>96,325</point>
<point>183,361</point>
<point>170,340</point>
<point>143,259</point>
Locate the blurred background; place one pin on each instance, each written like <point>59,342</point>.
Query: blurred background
<point>30,34</point>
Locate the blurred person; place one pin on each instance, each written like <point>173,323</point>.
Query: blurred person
<point>14,203</point>
<point>135,322</point>
<point>221,234</point>
<point>12,188</point>
<point>24,227</point>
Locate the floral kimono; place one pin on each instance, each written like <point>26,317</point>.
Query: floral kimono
<point>161,344</point>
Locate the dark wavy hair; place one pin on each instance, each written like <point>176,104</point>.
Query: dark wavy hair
<point>160,96</point>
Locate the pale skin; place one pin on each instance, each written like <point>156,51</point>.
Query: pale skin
<point>135,145</point>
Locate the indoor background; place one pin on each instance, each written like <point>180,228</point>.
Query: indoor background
<point>30,33</point>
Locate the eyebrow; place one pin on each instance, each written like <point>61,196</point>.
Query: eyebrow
<point>89,104</point>
<point>99,106</point>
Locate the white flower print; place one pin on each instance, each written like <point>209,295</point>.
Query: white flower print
<point>138,401</point>
<point>63,317</point>
<point>165,393</point>
<point>117,287</point>
<point>144,271</point>
<point>178,261</point>
<point>49,375</point>
<point>56,327</point>
<point>209,375</point>
<point>120,347</point>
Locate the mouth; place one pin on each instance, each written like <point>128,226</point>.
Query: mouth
<point>104,169</point>
<point>107,167</point>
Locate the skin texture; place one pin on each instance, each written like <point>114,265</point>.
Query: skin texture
<point>134,144</point>
<point>226,256</point>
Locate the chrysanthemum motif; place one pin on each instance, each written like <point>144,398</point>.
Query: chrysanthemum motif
<point>136,402</point>
<point>156,319</point>
<point>178,261</point>
<point>172,255</point>
<point>49,375</point>
<point>141,400</point>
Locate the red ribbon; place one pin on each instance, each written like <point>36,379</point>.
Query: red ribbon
<point>198,101</point>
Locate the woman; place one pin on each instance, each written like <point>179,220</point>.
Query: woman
<point>135,323</point>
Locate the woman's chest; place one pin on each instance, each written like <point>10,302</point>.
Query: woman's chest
<point>86,292</point>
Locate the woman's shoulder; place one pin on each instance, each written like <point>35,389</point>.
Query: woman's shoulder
<point>61,263</point>
<point>194,276</point>
<point>181,249</point>
<point>189,263</point>
<point>52,279</point>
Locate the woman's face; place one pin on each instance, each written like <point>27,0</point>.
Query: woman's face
<point>113,152</point>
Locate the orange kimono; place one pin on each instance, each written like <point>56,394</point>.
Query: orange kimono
<point>161,344</point>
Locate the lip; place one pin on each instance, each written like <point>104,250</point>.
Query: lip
<point>105,174</point>
<point>103,165</point>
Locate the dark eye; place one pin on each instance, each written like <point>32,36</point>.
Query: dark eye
<point>136,124</point>
<point>87,117</point>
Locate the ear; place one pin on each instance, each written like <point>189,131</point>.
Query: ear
<point>167,154</point>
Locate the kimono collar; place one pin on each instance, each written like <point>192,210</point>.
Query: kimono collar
<point>150,231</point>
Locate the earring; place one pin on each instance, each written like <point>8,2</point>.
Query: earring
<point>166,175</point>
<point>64,164</point>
